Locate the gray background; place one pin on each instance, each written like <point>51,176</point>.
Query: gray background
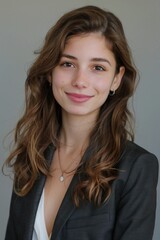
<point>23,25</point>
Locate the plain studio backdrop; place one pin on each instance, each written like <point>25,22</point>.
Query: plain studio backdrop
<point>23,25</point>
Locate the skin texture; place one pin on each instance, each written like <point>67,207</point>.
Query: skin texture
<point>87,68</point>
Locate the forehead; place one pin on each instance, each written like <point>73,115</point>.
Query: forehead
<point>90,43</point>
<point>93,36</point>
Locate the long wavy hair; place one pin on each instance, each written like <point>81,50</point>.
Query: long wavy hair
<point>41,122</point>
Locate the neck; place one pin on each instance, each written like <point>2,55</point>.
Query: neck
<point>75,131</point>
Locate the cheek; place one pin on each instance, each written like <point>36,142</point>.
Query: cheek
<point>103,87</point>
<point>57,80</point>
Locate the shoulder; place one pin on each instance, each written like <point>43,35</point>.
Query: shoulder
<point>138,163</point>
<point>134,153</point>
<point>134,193</point>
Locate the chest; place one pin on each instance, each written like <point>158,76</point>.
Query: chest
<point>54,192</point>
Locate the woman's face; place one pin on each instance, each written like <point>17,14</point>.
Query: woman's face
<point>85,74</point>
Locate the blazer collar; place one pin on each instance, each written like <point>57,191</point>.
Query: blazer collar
<point>31,200</point>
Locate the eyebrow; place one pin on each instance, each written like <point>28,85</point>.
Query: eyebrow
<point>101,60</point>
<point>96,59</point>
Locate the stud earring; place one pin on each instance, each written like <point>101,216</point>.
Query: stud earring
<point>111,92</point>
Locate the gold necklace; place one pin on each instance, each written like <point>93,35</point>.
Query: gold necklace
<point>62,177</point>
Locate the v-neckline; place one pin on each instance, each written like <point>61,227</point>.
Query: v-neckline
<point>43,216</point>
<point>40,225</point>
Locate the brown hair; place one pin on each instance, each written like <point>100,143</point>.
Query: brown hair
<point>41,122</point>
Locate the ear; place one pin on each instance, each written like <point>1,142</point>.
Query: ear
<point>117,79</point>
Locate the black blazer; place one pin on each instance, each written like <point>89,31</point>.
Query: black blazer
<point>128,215</point>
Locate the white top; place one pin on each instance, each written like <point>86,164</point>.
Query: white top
<point>40,231</point>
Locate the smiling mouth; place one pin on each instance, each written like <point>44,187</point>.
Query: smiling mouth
<point>79,98</point>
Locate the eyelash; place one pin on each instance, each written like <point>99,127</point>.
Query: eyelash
<point>66,64</point>
<point>69,64</point>
<point>99,68</point>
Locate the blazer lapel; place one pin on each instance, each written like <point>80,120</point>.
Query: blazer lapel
<point>30,207</point>
<point>31,201</point>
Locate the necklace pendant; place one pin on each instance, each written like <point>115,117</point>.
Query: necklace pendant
<point>61,178</point>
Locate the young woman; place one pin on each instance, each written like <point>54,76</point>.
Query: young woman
<point>77,173</point>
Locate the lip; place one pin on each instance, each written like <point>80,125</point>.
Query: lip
<point>78,98</point>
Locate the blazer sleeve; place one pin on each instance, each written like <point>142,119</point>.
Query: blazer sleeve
<point>136,211</point>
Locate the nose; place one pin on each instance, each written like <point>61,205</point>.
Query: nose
<point>80,80</point>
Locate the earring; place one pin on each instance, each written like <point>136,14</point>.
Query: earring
<point>111,92</point>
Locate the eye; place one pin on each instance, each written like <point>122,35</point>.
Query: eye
<point>66,64</point>
<point>99,68</point>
